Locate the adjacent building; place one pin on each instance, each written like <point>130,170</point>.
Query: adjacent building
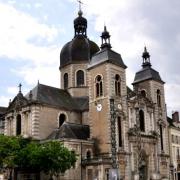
<point>174,145</point>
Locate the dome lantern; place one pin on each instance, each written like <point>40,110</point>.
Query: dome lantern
<point>146,58</point>
<point>105,37</point>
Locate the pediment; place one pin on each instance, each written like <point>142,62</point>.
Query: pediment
<point>18,102</point>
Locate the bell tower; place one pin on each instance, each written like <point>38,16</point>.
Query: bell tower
<point>148,82</point>
<point>74,59</point>
<point>107,84</point>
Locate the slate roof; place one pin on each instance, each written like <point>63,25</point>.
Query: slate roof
<point>71,131</point>
<point>2,112</point>
<point>147,73</point>
<point>170,121</point>
<point>2,109</point>
<point>58,98</point>
<point>107,55</point>
<point>130,92</point>
<point>79,50</point>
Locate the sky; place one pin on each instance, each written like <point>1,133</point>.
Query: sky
<point>32,33</point>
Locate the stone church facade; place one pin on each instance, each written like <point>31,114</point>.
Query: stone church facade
<point>115,131</point>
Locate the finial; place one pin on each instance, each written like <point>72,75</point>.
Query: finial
<point>20,85</point>
<point>80,3</point>
<point>105,29</point>
<point>30,95</point>
<point>145,49</point>
<point>80,9</point>
<point>9,101</point>
<point>146,58</point>
<point>105,37</point>
<point>38,82</point>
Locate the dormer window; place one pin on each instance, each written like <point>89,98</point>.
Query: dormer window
<point>99,86</point>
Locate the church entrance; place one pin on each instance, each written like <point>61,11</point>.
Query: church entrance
<point>143,172</point>
<point>143,169</point>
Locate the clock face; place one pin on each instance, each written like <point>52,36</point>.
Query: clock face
<point>99,107</point>
<point>119,106</point>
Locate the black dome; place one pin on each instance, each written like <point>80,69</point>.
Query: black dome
<point>80,49</point>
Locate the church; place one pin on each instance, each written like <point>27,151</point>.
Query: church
<point>117,133</point>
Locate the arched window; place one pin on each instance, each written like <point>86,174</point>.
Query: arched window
<point>158,98</point>
<point>65,80</point>
<point>99,86</point>
<point>80,78</point>
<point>143,93</point>
<point>18,124</point>
<point>161,136</point>
<point>88,154</point>
<point>62,118</point>
<point>119,132</point>
<point>117,85</point>
<point>141,121</point>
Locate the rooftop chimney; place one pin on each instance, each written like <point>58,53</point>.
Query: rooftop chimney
<point>175,116</point>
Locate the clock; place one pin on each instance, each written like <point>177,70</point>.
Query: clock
<point>99,107</point>
<point>119,106</point>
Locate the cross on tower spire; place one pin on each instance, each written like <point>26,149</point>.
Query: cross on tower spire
<point>20,85</point>
<point>80,3</point>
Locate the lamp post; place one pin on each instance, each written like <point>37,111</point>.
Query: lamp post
<point>114,172</point>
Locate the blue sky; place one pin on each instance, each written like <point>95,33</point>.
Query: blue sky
<point>32,33</point>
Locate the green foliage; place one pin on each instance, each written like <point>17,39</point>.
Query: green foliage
<point>57,157</point>
<point>51,157</point>
<point>8,151</point>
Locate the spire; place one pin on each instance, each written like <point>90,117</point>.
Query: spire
<point>80,3</point>
<point>20,93</point>
<point>146,58</point>
<point>20,85</point>
<point>80,23</point>
<point>105,37</point>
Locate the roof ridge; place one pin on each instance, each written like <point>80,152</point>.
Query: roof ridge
<point>76,124</point>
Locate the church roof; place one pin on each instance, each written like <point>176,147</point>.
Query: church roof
<point>57,97</point>
<point>79,50</point>
<point>71,131</point>
<point>147,73</point>
<point>107,55</point>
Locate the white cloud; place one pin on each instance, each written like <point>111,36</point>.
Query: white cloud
<point>44,74</point>
<point>24,38</point>
<point>12,90</point>
<point>172,97</point>
<point>4,100</point>
<point>19,34</point>
<point>37,5</point>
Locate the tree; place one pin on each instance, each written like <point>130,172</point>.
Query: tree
<point>50,157</point>
<point>56,158</point>
<point>9,147</point>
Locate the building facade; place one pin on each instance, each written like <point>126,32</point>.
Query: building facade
<point>116,132</point>
<point>174,145</point>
